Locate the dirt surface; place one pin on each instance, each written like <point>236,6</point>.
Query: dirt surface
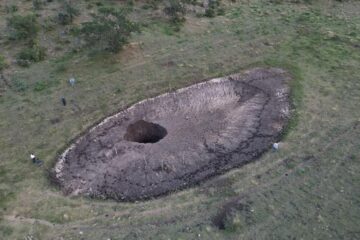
<point>178,139</point>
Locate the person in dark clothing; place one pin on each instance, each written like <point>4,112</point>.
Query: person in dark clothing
<point>63,100</point>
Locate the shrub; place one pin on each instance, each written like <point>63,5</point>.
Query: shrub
<point>31,54</point>
<point>64,18</point>
<point>99,4</point>
<point>176,10</point>
<point>48,24</point>
<point>19,85</point>
<point>68,13</point>
<point>11,9</point>
<point>212,9</point>
<point>23,63</point>
<point>37,4</point>
<point>3,63</point>
<point>210,12</point>
<point>40,86</point>
<point>151,4</point>
<point>23,27</point>
<point>61,67</point>
<point>110,29</point>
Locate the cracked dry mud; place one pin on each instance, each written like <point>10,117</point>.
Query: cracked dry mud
<point>178,139</point>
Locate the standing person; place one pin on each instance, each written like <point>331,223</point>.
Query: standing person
<point>72,81</point>
<point>276,146</point>
<point>63,100</point>
<point>33,158</point>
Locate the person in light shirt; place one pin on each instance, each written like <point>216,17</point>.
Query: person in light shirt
<point>275,146</point>
<point>35,160</point>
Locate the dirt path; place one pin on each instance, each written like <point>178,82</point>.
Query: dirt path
<point>24,220</point>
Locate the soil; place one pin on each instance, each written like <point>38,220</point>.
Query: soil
<point>179,138</point>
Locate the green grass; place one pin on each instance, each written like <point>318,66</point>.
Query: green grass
<point>307,190</point>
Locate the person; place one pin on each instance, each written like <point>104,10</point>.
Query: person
<point>275,146</point>
<point>33,158</point>
<point>63,100</point>
<point>72,81</point>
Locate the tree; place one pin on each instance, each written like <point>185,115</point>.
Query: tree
<point>109,30</point>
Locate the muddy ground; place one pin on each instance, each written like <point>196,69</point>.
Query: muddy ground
<point>178,139</point>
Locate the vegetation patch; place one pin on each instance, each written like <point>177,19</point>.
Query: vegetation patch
<point>109,30</point>
<point>3,63</point>
<point>23,27</point>
<point>234,215</point>
<point>30,55</point>
<point>68,13</point>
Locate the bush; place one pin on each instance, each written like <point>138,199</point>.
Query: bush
<point>212,9</point>
<point>48,24</point>
<point>68,13</point>
<point>37,4</point>
<point>176,10</point>
<point>11,9</point>
<point>152,4</point>
<point>19,85</point>
<point>110,29</point>
<point>64,19</point>
<point>31,54</point>
<point>23,27</point>
<point>40,86</point>
<point>3,63</point>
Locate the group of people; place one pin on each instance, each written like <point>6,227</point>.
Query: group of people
<point>33,158</point>
<point>72,83</point>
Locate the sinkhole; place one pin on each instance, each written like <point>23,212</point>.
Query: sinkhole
<point>145,132</point>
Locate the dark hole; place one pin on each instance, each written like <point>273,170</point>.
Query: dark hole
<point>145,132</point>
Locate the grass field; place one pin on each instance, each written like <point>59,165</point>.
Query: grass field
<point>307,190</point>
